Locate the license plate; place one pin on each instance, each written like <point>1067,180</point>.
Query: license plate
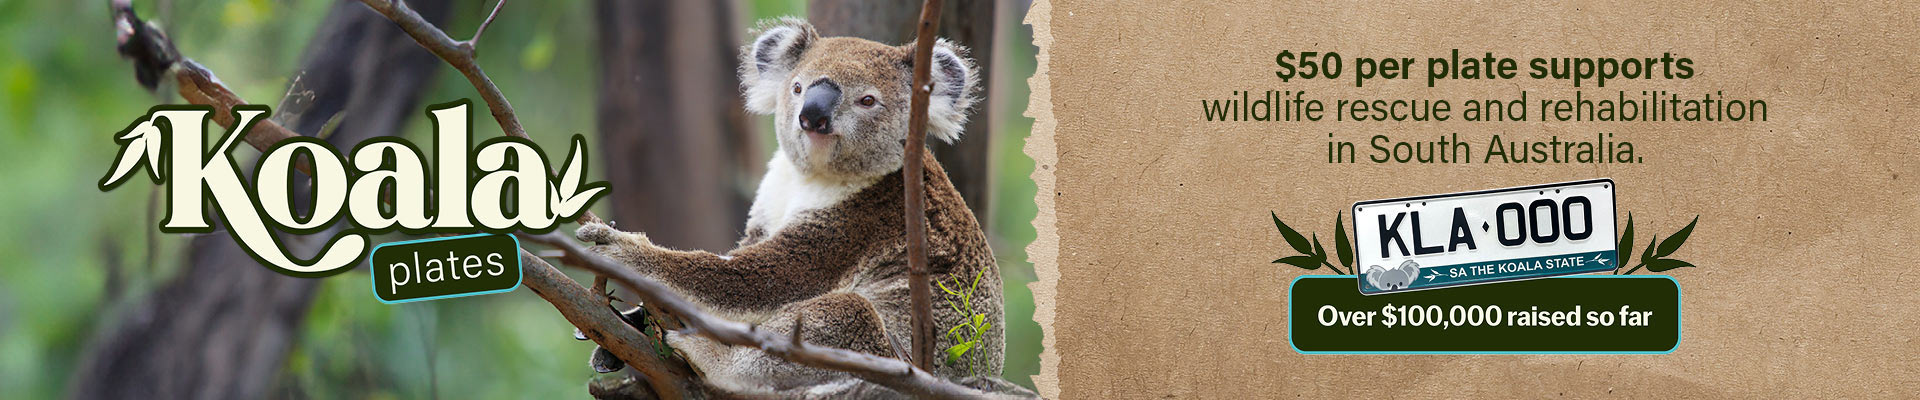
<point>1499,235</point>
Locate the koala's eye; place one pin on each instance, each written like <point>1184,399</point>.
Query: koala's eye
<point>868,101</point>
<point>796,88</point>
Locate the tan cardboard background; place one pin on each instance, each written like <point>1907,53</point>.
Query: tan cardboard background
<point>1807,281</point>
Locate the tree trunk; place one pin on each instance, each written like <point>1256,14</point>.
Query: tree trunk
<point>222,327</point>
<point>967,22</point>
<point>674,135</point>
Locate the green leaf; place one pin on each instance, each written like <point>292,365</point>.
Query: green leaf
<point>943,288</point>
<point>1305,262</point>
<point>1294,239</point>
<point>1318,252</point>
<point>954,353</point>
<point>1344,248</point>
<point>1662,265</point>
<point>1624,247</point>
<point>1647,256</point>
<point>981,330</point>
<point>1679,238</point>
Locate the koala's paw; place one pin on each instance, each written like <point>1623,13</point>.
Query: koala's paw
<point>613,243</point>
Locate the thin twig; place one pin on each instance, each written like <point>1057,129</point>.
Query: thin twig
<point>473,43</point>
<point>437,42</point>
<point>891,373</point>
<point>916,201</point>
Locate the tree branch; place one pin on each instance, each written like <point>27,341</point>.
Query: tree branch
<point>154,56</point>
<point>891,373</point>
<point>916,219</point>
<point>582,308</point>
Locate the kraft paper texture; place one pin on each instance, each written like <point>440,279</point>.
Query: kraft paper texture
<point>1155,243</point>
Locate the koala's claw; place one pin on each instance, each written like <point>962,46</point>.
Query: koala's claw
<point>598,233</point>
<point>604,361</point>
<point>595,233</point>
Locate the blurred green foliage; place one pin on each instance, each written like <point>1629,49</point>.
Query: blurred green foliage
<point>64,91</point>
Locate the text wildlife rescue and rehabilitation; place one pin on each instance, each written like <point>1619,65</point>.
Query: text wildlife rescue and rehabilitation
<point>1647,106</point>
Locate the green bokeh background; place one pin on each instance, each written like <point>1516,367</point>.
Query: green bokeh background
<point>64,92</point>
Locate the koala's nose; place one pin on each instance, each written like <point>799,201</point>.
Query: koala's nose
<point>816,110</point>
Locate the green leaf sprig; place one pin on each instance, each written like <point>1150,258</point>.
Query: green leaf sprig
<point>1654,259</point>
<point>1312,254</point>
<point>971,331</point>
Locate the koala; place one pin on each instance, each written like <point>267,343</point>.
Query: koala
<point>1393,279</point>
<point>824,242</point>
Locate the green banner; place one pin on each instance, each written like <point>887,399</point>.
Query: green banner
<point>1573,314</point>
<point>440,268</point>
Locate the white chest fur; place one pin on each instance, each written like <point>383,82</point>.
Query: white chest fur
<point>785,193</point>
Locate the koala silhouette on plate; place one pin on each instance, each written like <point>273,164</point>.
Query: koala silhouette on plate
<point>1393,279</point>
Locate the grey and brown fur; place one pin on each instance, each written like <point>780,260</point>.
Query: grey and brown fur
<point>824,240</point>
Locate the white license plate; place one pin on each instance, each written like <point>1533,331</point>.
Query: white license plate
<point>1430,242</point>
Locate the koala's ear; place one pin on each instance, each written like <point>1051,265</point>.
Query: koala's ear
<point>955,81</point>
<point>769,60</point>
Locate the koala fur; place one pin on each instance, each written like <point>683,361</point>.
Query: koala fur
<point>825,241</point>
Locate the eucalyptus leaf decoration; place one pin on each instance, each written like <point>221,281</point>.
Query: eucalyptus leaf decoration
<point>567,196</point>
<point>1654,258</point>
<point>1312,256</point>
<point>140,145</point>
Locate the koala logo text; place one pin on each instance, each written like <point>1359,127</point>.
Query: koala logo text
<point>387,184</point>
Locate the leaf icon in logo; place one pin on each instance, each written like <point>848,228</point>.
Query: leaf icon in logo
<point>567,197</point>
<point>139,145</point>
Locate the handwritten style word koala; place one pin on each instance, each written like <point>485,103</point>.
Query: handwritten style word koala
<point>825,241</point>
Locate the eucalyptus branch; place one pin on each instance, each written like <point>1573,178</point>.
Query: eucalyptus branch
<point>1656,257</point>
<point>1312,254</point>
